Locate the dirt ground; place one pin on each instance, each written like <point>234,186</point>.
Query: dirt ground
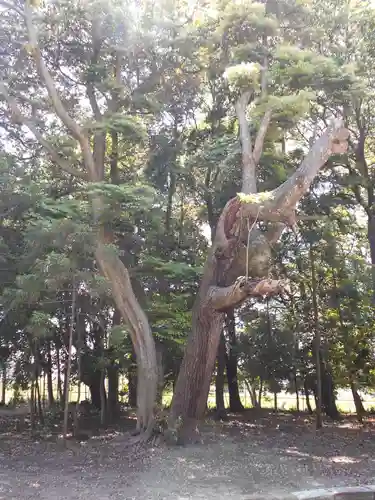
<point>246,458</point>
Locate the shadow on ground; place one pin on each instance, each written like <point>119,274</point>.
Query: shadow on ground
<point>251,454</point>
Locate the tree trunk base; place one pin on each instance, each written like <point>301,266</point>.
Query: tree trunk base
<point>189,433</point>
<point>220,415</point>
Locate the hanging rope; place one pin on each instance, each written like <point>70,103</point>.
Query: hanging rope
<point>248,241</point>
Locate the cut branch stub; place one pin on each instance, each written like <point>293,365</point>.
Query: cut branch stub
<point>224,298</point>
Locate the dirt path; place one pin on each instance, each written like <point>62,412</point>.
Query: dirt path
<point>237,462</point>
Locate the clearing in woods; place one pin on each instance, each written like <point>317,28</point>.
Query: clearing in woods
<point>255,453</point>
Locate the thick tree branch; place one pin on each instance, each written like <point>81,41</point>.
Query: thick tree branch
<point>17,117</point>
<point>250,155</point>
<point>248,165</point>
<point>224,298</point>
<point>333,141</point>
<point>259,140</point>
<point>59,108</point>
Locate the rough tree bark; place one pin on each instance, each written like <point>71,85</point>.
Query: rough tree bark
<point>238,263</point>
<point>93,160</point>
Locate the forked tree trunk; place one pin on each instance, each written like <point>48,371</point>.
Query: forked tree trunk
<point>240,251</point>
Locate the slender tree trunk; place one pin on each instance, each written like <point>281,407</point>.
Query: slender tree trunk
<point>44,390</point>
<point>171,193</point>
<point>308,404</point>
<point>319,420</point>
<point>103,397</point>
<point>220,378</point>
<point>253,394</point>
<point>39,401</point>
<point>113,377</point>
<point>69,362</point>
<point>297,392</point>
<point>235,404</point>
<point>79,376</point>
<point>59,381</point>
<point>113,383</point>
<point>371,239</point>
<point>360,410</point>
<point>132,382</point>
<point>260,393</point>
<point>4,383</point>
<point>51,399</point>
<point>275,402</point>
<point>32,404</point>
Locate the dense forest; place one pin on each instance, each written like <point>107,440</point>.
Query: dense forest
<point>187,200</point>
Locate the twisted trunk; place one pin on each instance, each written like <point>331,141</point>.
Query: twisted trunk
<point>126,302</point>
<point>236,268</point>
<point>93,162</point>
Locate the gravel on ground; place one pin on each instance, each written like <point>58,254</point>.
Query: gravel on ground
<point>240,460</point>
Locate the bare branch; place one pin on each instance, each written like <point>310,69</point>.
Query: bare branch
<point>248,164</point>
<point>59,108</point>
<point>224,298</point>
<point>17,117</point>
<point>259,140</point>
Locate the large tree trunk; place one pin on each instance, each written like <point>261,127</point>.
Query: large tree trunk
<point>220,379</point>
<point>328,394</point>
<point>94,162</point>
<point>147,375</point>
<point>235,404</point>
<point>240,251</point>
<point>93,382</point>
